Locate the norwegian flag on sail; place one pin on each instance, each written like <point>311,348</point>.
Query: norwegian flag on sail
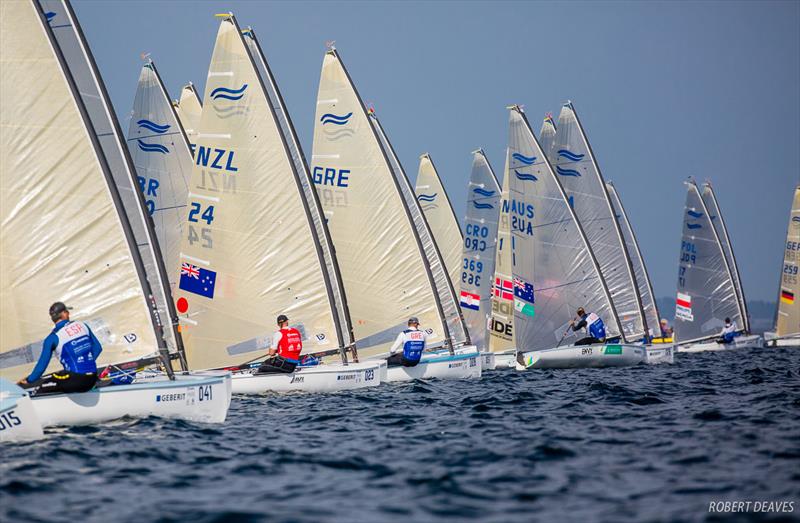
<point>503,289</point>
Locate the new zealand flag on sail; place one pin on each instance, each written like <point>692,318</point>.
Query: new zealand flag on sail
<point>523,290</point>
<point>197,280</point>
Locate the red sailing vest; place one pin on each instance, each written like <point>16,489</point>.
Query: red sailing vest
<point>291,344</point>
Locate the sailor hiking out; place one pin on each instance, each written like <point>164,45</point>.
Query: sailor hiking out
<point>728,332</point>
<point>77,349</point>
<point>284,354</point>
<point>594,326</point>
<point>408,347</point>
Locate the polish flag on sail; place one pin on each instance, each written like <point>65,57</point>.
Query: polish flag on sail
<point>683,307</point>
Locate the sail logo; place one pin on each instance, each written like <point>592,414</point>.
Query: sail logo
<point>427,198</point>
<point>205,154</point>
<point>525,177</point>
<point>483,192</point>
<point>479,205</point>
<point>334,119</point>
<point>49,15</point>
<point>796,221</point>
<point>527,160</point>
<point>548,119</point>
<point>696,215</point>
<point>567,172</point>
<point>224,93</point>
<point>152,126</point>
<point>569,155</point>
<point>152,147</point>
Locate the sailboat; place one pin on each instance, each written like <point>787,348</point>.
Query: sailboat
<point>188,108</point>
<point>707,293</point>
<point>390,272</point>
<point>440,216</point>
<point>18,419</point>
<point>658,352</point>
<point>787,314</point>
<point>477,278</point>
<point>553,269</point>
<point>62,142</point>
<point>576,166</point>
<point>256,245</point>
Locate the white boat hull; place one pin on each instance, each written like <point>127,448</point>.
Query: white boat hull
<point>194,397</point>
<point>320,378</point>
<point>505,361</point>
<point>487,361</point>
<point>18,420</point>
<point>442,366</point>
<point>585,356</point>
<point>772,341</point>
<point>655,354</point>
<point>740,342</point>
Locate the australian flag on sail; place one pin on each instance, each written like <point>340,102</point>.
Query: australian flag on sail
<point>197,280</point>
<point>523,290</point>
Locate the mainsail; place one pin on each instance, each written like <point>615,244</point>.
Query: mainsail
<point>189,108</point>
<point>637,260</point>
<point>706,293</point>
<point>553,269</point>
<point>787,322</point>
<point>547,135</point>
<point>82,250</point>
<point>163,161</point>
<point>95,98</point>
<point>384,269</point>
<point>440,216</point>
<point>710,199</point>
<point>575,164</point>
<point>249,253</point>
<point>501,324</point>
<point>477,262</point>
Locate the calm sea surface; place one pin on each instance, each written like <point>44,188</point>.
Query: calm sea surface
<point>650,443</point>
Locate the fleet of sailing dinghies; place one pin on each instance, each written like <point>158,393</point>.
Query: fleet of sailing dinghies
<point>441,217</point>
<point>62,142</point>
<point>551,256</point>
<point>18,419</point>
<point>188,108</point>
<point>787,314</point>
<point>477,262</point>
<point>251,252</point>
<point>575,165</point>
<point>707,293</point>
<point>375,223</point>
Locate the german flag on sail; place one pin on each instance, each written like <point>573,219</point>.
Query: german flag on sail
<point>787,297</point>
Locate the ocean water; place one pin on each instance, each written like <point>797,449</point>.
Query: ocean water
<point>650,443</point>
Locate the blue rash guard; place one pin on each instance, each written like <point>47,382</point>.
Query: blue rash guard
<point>76,347</point>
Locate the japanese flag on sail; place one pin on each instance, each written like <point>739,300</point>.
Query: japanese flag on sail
<point>683,307</point>
<point>470,301</point>
<point>197,280</point>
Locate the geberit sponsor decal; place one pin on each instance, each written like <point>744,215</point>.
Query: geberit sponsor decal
<point>176,396</point>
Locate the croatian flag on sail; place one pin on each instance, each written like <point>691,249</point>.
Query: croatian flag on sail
<point>470,301</point>
<point>523,290</point>
<point>503,289</point>
<point>197,280</point>
<point>683,307</point>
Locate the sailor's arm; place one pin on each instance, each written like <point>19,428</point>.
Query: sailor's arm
<point>580,325</point>
<point>49,345</point>
<point>398,342</point>
<point>276,338</point>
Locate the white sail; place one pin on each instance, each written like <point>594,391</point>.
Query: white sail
<point>95,98</point>
<point>787,322</point>
<point>575,164</point>
<point>440,216</point>
<point>163,162</point>
<point>189,107</point>
<point>710,199</point>
<point>249,252</point>
<point>81,250</point>
<point>310,197</point>
<point>384,268</point>
<point>706,294</point>
<point>501,324</point>
<point>554,271</point>
<point>477,265</point>
<point>547,135</point>
<point>637,260</point>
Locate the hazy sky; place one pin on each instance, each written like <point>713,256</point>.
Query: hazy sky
<point>664,90</point>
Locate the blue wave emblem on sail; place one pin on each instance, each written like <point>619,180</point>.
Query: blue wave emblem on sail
<point>483,205</point>
<point>693,226</point>
<point>527,160</point>
<point>569,155</point>
<point>152,126</point>
<point>50,15</point>
<point>525,177</point>
<point>335,118</point>
<point>152,147</point>
<point>566,172</point>
<point>426,197</point>
<point>228,94</point>
<point>796,219</point>
<point>483,192</point>
<point>694,214</point>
